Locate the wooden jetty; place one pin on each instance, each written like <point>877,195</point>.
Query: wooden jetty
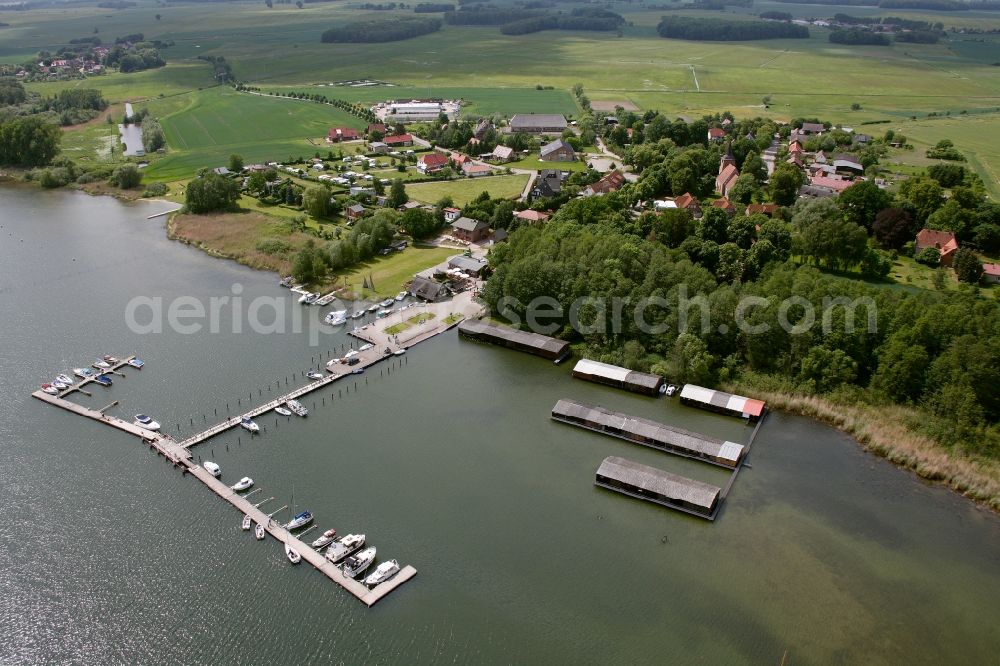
<point>325,299</point>
<point>179,454</point>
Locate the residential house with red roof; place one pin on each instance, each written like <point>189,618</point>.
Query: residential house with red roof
<point>398,140</point>
<point>431,163</point>
<point>342,134</point>
<point>611,182</point>
<point>942,241</point>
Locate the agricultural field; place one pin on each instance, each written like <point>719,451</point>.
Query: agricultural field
<point>464,190</point>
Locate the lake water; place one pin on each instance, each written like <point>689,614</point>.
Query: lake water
<point>450,463</point>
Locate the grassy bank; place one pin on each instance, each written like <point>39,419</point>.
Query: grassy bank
<point>884,431</point>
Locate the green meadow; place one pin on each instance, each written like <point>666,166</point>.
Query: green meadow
<point>464,190</point>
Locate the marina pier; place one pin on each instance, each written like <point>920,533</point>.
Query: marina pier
<point>179,454</point>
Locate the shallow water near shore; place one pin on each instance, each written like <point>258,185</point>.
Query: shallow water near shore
<point>447,460</point>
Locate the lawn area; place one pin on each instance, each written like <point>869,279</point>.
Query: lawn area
<point>532,162</point>
<point>415,320</point>
<point>464,190</point>
<point>390,273</point>
<point>217,122</point>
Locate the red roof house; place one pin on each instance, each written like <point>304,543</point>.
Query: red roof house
<point>531,216</point>
<point>342,134</point>
<point>942,241</point>
<point>991,273</point>
<point>398,140</point>
<point>611,182</point>
<point>716,134</point>
<point>431,162</point>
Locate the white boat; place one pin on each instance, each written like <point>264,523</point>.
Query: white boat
<point>336,317</point>
<point>400,296</point>
<point>297,408</point>
<point>282,411</point>
<point>314,375</point>
<point>399,352</point>
<point>62,386</point>
<point>350,353</point>
<point>309,299</point>
<point>247,423</point>
<point>83,373</point>
<point>65,379</point>
<point>373,307</point>
<point>324,540</point>
<point>292,555</point>
<point>212,468</point>
<point>671,390</point>
<point>50,389</point>
<point>356,564</point>
<point>137,363</point>
<point>258,532</point>
<point>301,520</point>
<point>243,484</point>
<point>101,365</point>
<point>386,303</point>
<point>382,573</point>
<point>357,314</point>
<point>146,422</point>
<point>246,523</point>
<point>344,547</point>
<point>108,358</point>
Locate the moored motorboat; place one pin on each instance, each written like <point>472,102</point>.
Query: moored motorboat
<point>286,281</point>
<point>247,423</point>
<point>671,390</point>
<point>357,314</point>
<point>297,408</point>
<point>400,296</point>
<point>324,540</point>
<point>399,352</point>
<point>292,554</point>
<point>309,298</point>
<point>312,374</point>
<point>258,531</point>
<point>243,484</point>
<point>300,520</point>
<point>108,358</point>
<point>382,573</point>
<point>136,363</point>
<point>373,307</point>
<point>357,371</point>
<point>146,422</point>
<point>282,411</point>
<point>62,386</point>
<point>356,564</point>
<point>383,313</point>
<point>344,547</point>
<point>50,389</point>
<point>101,365</point>
<point>336,317</point>
<point>246,523</point>
<point>212,468</point>
<point>103,380</point>
<point>65,379</point>
<point>365,347</point>
<point>83,373</point>
<point>386,303</point>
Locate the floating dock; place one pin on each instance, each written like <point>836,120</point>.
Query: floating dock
<point>613,375</point>
<point>655,485</point>
<point>512,338</point>
<point>649,433</point>
<point>179,454</point>
<point>723,403</point>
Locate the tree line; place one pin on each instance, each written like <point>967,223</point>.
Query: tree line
<point>432,8</point>
<point>725,30</point>
<point>391,30</point>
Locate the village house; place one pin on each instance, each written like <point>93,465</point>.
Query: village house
<point>378,147</point>
<point>847,164</point>
<point>476,170</point>
<point>354,212</point>
<point>375,128</point>
<point>942,241</point>
<point>451,214</point>
<point>689,203</point>
<point>795,148</point>
<point>482,127</point>
<point>459,159</point>
<point>469,265</point>
<point>813,128</point>
<point>557,151</point>
<point>768,209</point>
<point>549,183</point>
<point>469,230</point>
<point>833,184</point>
<point>531,216</point>
<point>725,204</point>
<point>538,123</point>
<point>502,154</point>
<point>398,140</point>
<point>728,173</point>
<point>427,289</point>
<point>991,273</point>
<point>337,134</point>
<point>431,163</point>
<point>716,134</point>
<point>611,182</point>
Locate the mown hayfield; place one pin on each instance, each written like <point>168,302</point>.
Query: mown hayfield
<point>464,190</point>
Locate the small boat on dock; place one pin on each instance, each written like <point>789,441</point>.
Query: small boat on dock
<point>386,303</point>
<point>344,547</point>
<point>336,317</point>
<point>108,358</point>
<point>400,296</point>
<point>297,408</point>
<point>357,314</point>
<point>286,281</point>
<point>292,554</point>
<point>383,313</point>
<point>382,573</point>
<point>62,386</point>
<point>246,523</point>
<point>212,468</point>
<point>365,347</point>
<point>300,520</point>
<point>373,307</point>
<point>247,423</point>
<point>399,352</point>
<point>356,564</point>
<point>309,298</point>
<point>313,375</point>
<point>325,540</point>
<point>83,373</point>
<point>258,532</point>
<point>65,379</point>
<point>357,371</point>
<point>101,365</point>
<point>103,380</point>
<point>243,484</point>
<point>146,422</point>
<point>282,411</point>
<point>50,389</point>
<point>671,390</point>
<point>136,363</point>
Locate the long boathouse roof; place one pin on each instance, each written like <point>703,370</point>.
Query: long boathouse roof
<point>721,401</point>
<point>658,485</point>
<point>616,375</point>
<point>542,345</point>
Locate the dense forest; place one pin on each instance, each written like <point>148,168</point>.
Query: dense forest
<point>521,21</point>
<point>859,37</point>
<point>725,30</point>
<point>432,8</point>
<point>390,30</point>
